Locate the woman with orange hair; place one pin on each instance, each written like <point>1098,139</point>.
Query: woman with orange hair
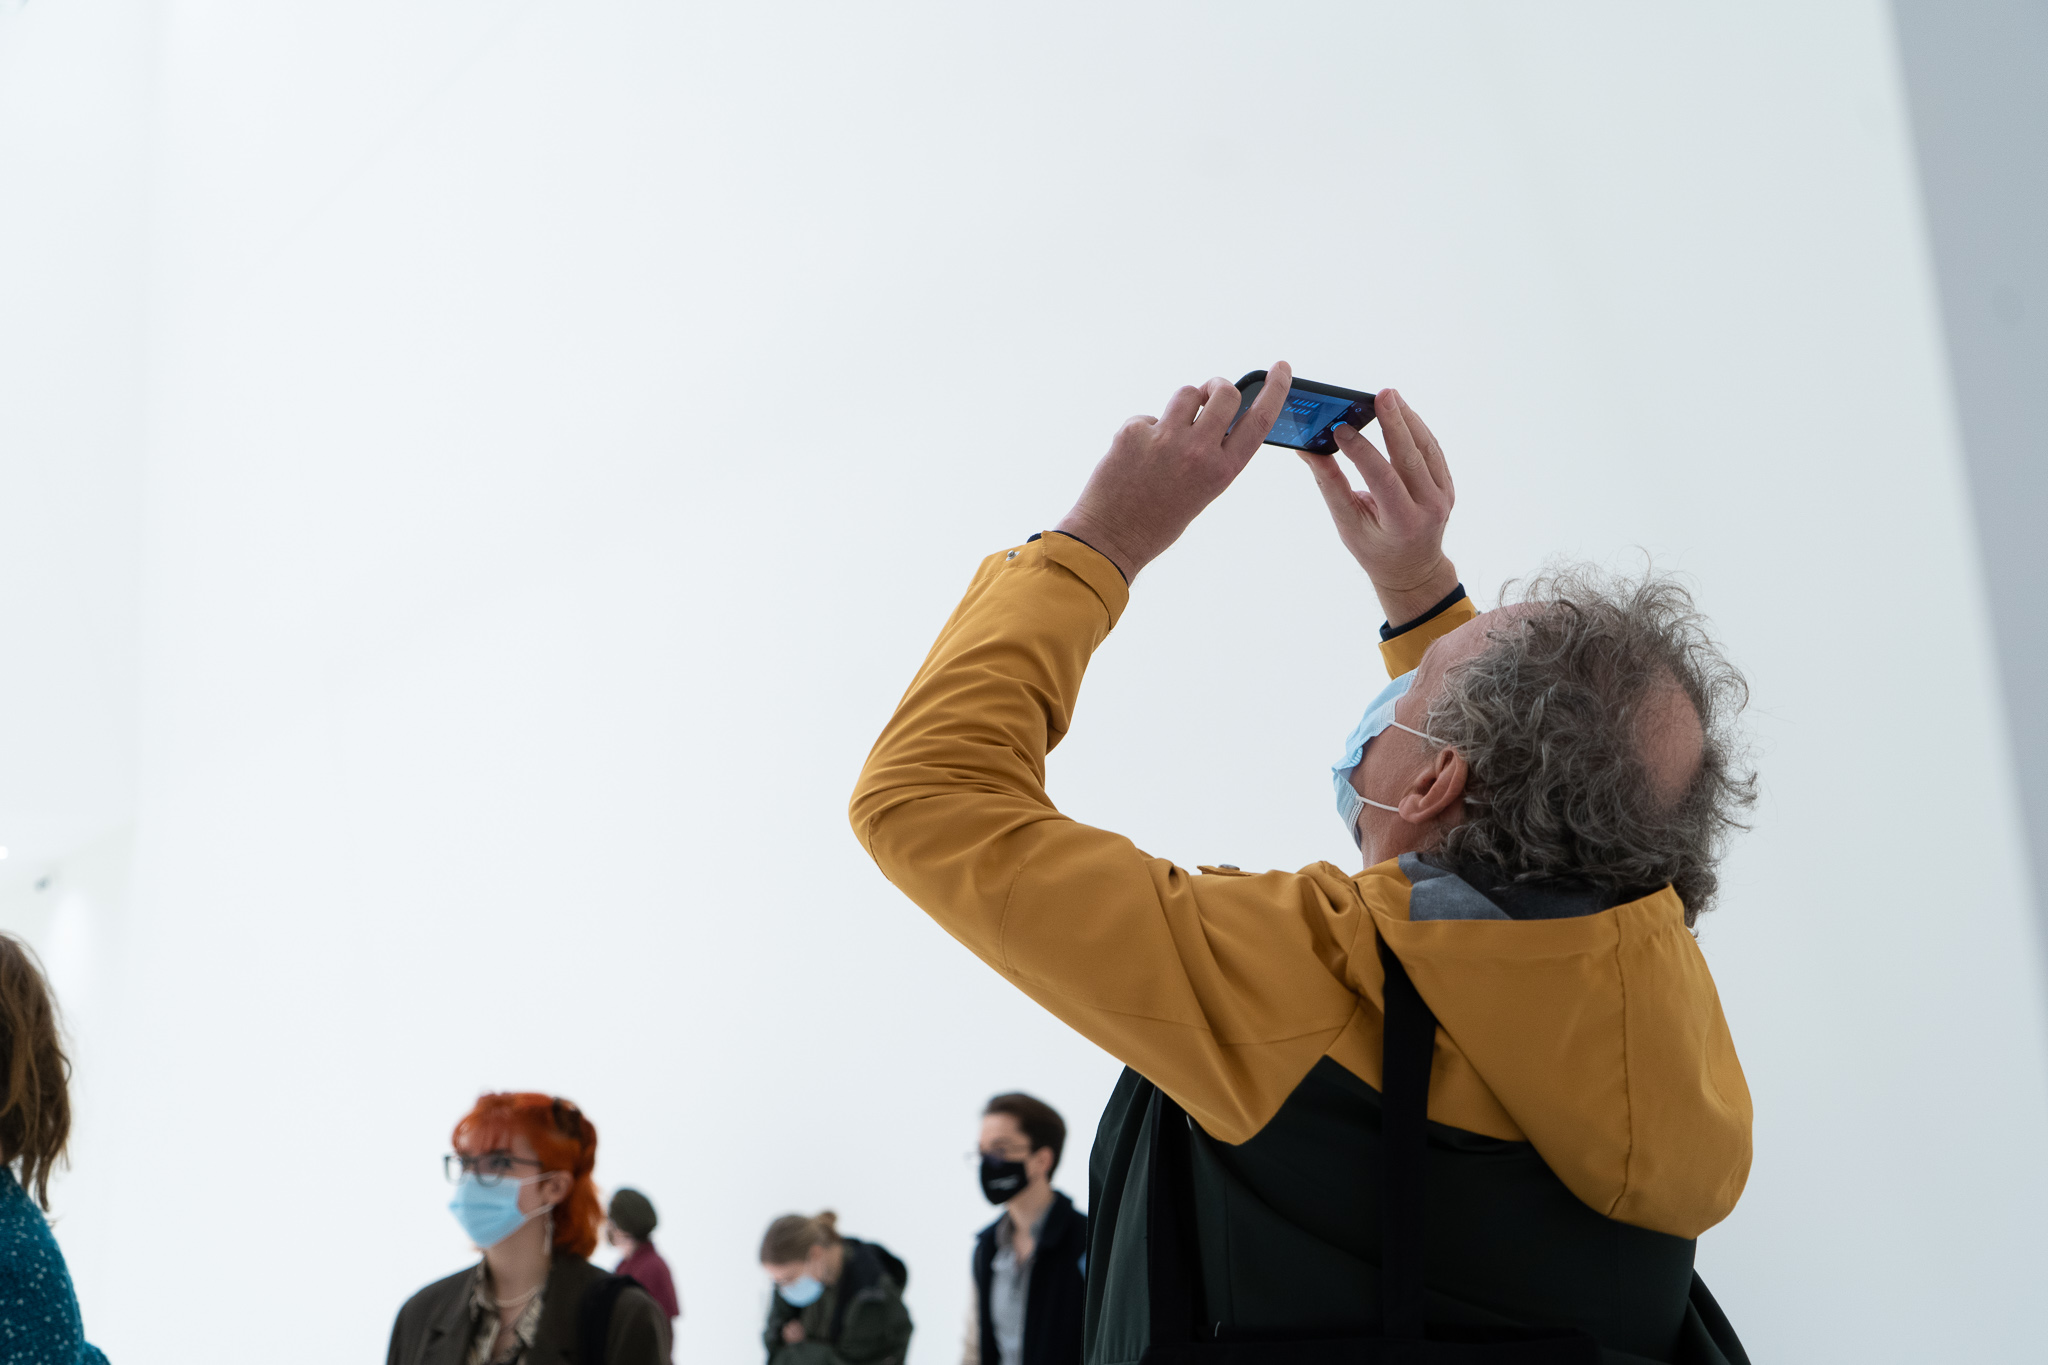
<point>521,1169</point>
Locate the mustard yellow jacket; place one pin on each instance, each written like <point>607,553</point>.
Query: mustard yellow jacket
<point>1599,1040</point>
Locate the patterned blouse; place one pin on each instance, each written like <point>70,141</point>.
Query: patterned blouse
<point>484,1323</point>
<point>39,1323</point>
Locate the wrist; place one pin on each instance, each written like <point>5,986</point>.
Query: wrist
<point>1101,539</point>
<point>1403,597</point>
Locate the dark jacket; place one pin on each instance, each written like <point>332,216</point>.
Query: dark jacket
<point>1058,1290</point>
<point>860,1320</point>
<point>38,1309</point>
<point>435,1325</point>
<point>1288,1234</point>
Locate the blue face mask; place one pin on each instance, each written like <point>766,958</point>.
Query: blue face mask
<point>1379,716</point>
<point>803,1293</point>
<point>490,1213</point>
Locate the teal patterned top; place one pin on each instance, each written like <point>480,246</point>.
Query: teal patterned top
<point>39,1323</point>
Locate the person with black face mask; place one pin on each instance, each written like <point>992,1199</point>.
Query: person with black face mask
<point>1030,1265</point>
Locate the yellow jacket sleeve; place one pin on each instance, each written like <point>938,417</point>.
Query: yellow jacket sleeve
<point>1223,990</point>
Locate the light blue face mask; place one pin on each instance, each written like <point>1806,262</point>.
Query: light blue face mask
<point>490,1213</point>
<point>1379,716</point>
<point>802,1293</point>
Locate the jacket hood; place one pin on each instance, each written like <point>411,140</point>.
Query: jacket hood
<point>1590,1030</point>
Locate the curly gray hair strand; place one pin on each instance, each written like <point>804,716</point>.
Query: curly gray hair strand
<point>1549,716</point>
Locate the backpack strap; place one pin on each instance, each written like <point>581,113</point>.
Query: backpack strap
<point>1409,1048</point>
<point>594,1318</point>
<point>1174,1278</point>
<point>1177,1311</point>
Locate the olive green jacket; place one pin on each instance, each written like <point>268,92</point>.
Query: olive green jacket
<point>872,1329</point>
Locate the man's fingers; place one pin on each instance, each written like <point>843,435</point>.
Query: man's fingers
<point>1344,501</point>
<point>1220,400</point>
<point>1402,449</point>
<point>1379,476</point>
<point>1265,410</point>
<point>1180,409</point>
<point>1347,505</point>
<point>1432,451</point>
<point>1330,480</point>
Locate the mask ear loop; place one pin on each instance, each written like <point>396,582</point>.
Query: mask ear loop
<point>1367,800</point>
<point>546,1212</point>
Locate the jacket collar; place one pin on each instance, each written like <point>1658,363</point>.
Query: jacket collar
<point>1440,889</point>
<point>447,1335</point>
<point>861,1269</point>
<point>569,1276</point>
<point>1060,1223</point>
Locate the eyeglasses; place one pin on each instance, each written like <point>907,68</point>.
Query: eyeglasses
<point>1020,1152</point>
<point>489,1168</point>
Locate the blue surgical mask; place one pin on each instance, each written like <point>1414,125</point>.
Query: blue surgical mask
<point>1379,716</point>
<point>801,1293</point>
<point>490,1213</point>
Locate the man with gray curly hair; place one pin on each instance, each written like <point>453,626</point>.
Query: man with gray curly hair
<point>1575,745</point>
<point>1480,1092</point>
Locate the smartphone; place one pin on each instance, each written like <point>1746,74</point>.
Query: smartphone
<point>1312,409</point>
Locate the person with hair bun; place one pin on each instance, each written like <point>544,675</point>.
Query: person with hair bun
<point>837,1301</point>
<point>523,1192</point>
<point>39,1320</point>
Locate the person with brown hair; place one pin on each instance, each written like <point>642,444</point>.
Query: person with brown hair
<point>39,1320</point>
<point>523,1192</point>
<point>837,1301</point>
<point>1030,1266</point>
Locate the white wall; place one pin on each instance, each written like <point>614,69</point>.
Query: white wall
<point>74,102</point>
<point>568,425</point>
<point>75,96</point>
<point>1972,75</point>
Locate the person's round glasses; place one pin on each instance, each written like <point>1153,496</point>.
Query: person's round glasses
<point>489,1167</point>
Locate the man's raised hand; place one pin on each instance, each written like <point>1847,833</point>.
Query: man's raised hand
<point>1161,471</point>
<point>1394,528</point>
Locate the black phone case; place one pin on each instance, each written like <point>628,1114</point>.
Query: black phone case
<point>1322,443</point>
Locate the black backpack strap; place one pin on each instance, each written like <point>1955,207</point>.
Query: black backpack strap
<point>1175,1284</point>
<point>1177,1310</point>
<point>1409,1048</point>
<point>594,1318</point>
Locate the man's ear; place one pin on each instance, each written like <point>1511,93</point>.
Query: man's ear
<point>1033,1167</point>
<point>1437,791</point>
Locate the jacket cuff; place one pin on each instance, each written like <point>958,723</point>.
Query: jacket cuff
<point>1388,630</point>
<point>1404,651</point>
<point>1090,566</point>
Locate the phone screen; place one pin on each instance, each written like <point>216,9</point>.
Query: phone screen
<point>1306,418</point>
<point>1309,416</point>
